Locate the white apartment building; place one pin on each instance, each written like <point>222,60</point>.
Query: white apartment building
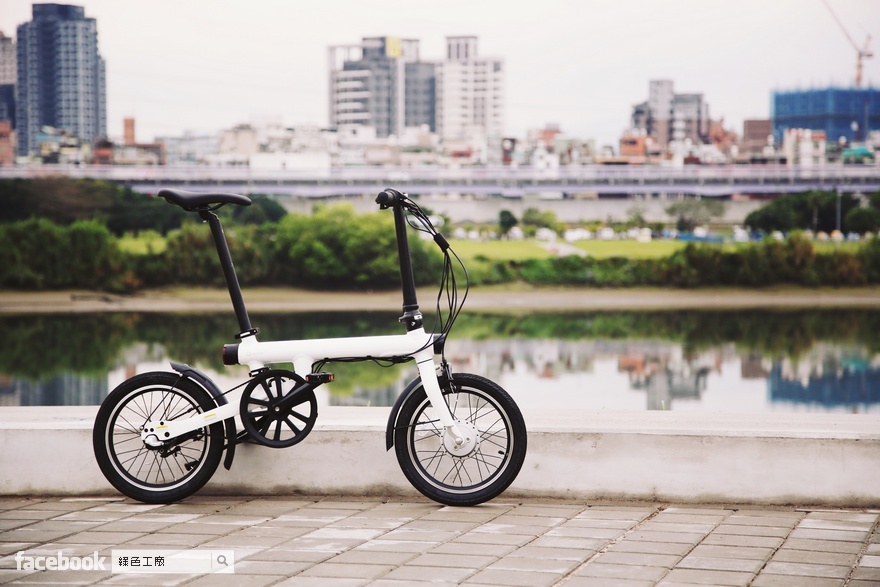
<point>470,93</point>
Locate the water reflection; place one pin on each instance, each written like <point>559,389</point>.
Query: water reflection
<point>711,361</point>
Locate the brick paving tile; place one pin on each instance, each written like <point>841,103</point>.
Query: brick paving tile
<point>823,545</point>
<point>790,555</point>
<point>825,524</point>
<point>767,531</point>
<point>870,560</point>
<point>766,580</point>
<point>257,567</point>
<point>742,540</point>
<point>709,577</point>
<point>840,535</point>
<point>500,578</point>
<point>867,573</point>
<point>585,532</point>
<point>347,571</point>
<point>615,514</point>
<point>168,540</point>
<point>563,542</point>
<point>720,564</point>
<point>682,518</point>
<point>457,547</point>
<point>429,574</point>
<point>686,538</point>
<point>606,582</point>
<point>373,557</point>
<point>453,560</point>
<point>557,566</point>
<point>676,548</point>
<point>743,552</point>
<point>530,551</point>
<point>549,510</point>
<point>659,526</point>
<point>598,569</point>
<point>806,570</point>
<point>639,559</point>
<point>778,521</point>
<point>235,581</point>
<point>28,514</point>
<point>299,581</point>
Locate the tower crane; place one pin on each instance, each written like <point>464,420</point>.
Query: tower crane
<point>863,52</point>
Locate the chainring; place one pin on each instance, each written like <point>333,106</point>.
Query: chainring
<point>269,423</point>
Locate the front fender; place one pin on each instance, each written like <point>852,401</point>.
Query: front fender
<point>414,385</point>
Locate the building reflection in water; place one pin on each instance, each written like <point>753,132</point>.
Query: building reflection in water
<point>560,374</point>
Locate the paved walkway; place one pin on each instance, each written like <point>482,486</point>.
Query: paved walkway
<point>332,542</point>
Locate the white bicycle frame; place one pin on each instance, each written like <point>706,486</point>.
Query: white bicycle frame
<point>416,343</point>
<point>303,353</point>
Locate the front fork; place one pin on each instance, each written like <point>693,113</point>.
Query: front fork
<point>431,385</point>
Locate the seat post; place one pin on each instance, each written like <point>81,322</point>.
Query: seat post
<point>244,322</point>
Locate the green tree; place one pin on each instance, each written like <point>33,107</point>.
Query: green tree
<point>862,220</point>
<point>533,219</point>
<point>815,210</point>
<point>335,247</point>
<point>690,213</point>
<point>506,221</point>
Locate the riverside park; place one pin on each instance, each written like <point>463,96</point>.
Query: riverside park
<point>707,434</point>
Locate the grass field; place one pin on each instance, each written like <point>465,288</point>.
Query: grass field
<point>145,242</point>
<point>499,250</point>
<point>629,248</point>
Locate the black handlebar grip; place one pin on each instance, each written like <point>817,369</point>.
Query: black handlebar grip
<point>387,197</point>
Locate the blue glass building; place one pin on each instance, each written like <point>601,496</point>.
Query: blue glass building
<point>840,112</point>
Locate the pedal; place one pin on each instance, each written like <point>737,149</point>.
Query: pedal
<point>319,378</point>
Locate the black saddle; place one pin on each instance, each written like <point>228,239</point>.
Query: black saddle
<point>200,200</point>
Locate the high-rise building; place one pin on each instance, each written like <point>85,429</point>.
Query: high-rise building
<point>7,79</point>
<point>61,76</point>
<point>380,83</point>
<point>470,92</point>
<point>383,83</point>
<point>848,113</point>
<point>668,116</point>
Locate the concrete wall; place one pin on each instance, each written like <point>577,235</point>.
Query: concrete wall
<point>806,459</point>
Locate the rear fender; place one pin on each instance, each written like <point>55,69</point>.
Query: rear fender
<point>205,382</point>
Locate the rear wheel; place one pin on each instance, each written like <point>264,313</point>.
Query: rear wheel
<point>173,471</point>
<point>477,470</point>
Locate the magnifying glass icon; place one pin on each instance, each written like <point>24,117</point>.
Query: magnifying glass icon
<point>221,560</point>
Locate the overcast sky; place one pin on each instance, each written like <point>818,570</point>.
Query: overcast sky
<point>204,65</point>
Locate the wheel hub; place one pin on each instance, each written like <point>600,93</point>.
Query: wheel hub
<point>470,440</point>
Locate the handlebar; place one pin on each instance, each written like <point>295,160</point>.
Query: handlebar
<point>388,198</point>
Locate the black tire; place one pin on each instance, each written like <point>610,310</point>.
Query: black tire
<point>144,473</point>
<point>489,466</point>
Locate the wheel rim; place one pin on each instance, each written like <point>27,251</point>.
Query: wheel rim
<point>148,468</point>
<point>475,468</point>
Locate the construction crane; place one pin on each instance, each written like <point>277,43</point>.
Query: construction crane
<point>861,52</point>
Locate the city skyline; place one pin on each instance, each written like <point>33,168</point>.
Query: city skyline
<point>204,66</point>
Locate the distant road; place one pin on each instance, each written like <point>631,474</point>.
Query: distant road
<point>501,182</point>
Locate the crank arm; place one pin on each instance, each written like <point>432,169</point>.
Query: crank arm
<point>155,433</point>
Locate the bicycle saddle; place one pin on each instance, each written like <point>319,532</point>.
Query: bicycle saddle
<point>194,200</point>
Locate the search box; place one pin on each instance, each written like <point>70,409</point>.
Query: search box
<point>192,561</point>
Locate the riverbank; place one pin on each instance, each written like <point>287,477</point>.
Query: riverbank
<point>516,299</point>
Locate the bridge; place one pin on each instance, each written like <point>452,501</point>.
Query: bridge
<point>506,182</point>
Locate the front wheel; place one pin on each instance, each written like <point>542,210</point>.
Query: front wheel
<point>473,472</point>
<point>162,474</point>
